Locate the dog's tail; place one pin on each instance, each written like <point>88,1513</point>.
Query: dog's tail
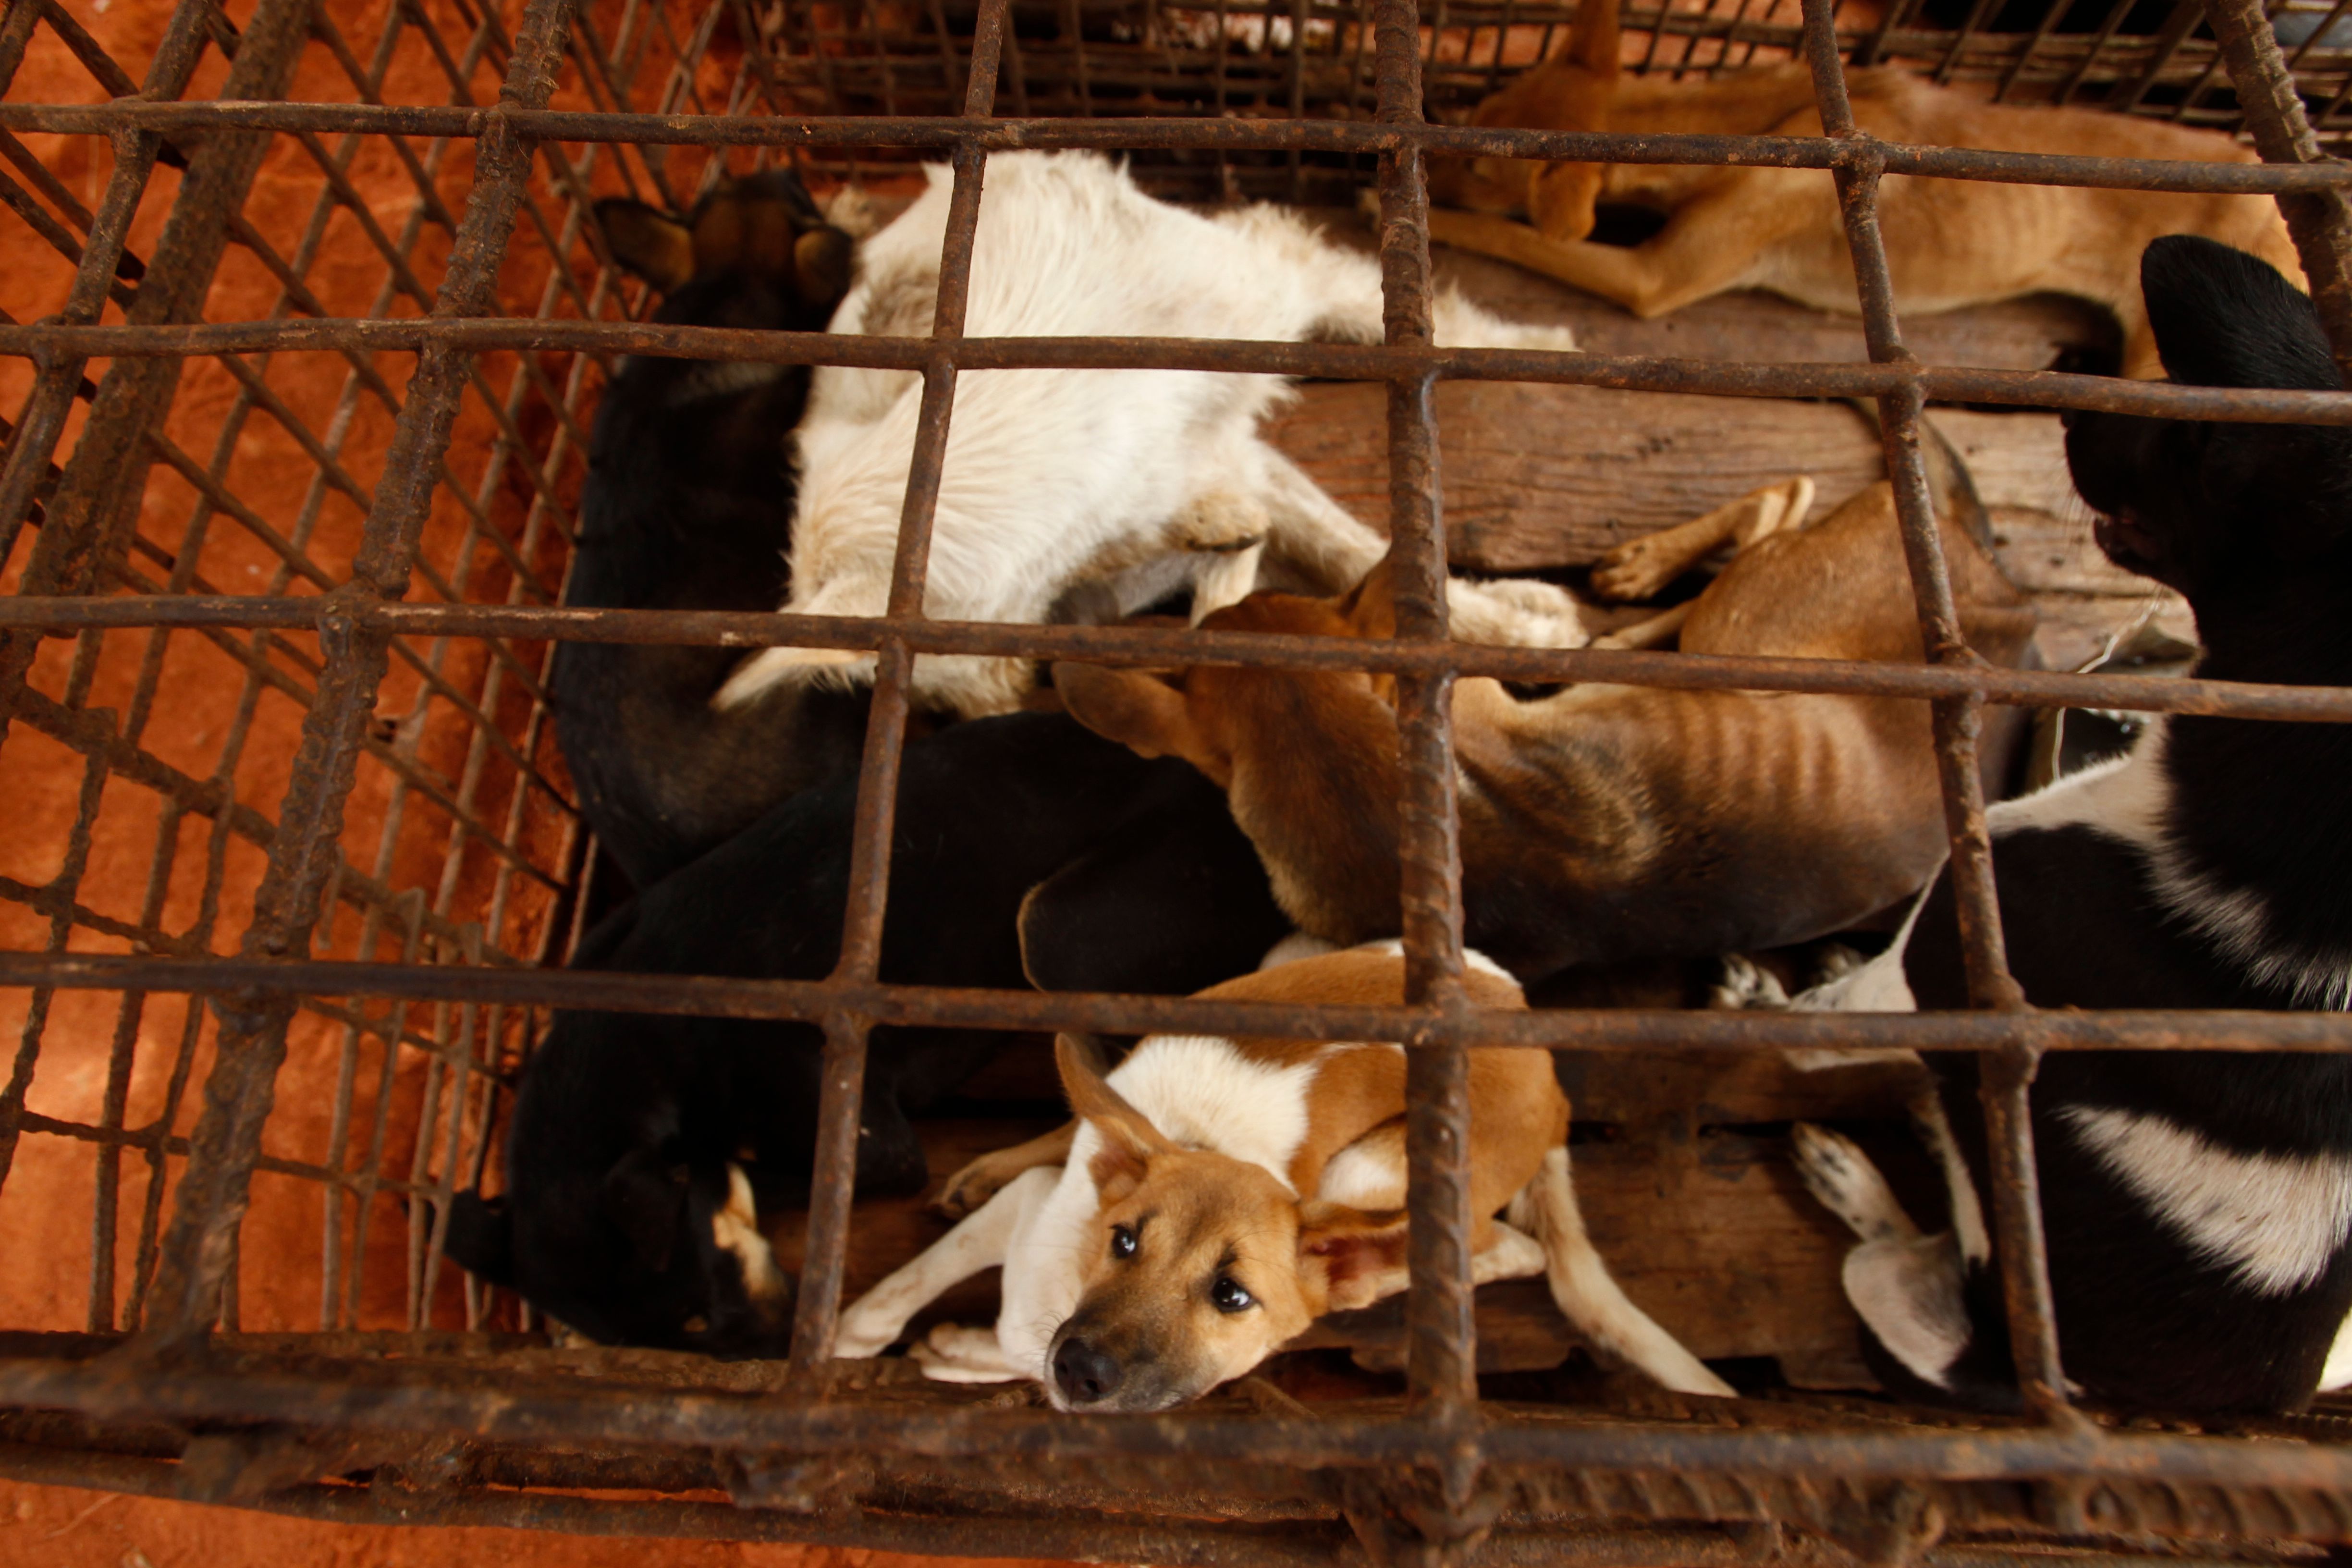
<point>1949,484</point>
<point>1590,1298</point>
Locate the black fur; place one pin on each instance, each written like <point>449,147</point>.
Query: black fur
<point>687,505</point>
<point>2253,523</point>
<point>1022,826</point>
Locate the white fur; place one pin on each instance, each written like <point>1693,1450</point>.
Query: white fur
<point>1471,957</point>
<point>2274,1220</point>
<point>1055,479</point>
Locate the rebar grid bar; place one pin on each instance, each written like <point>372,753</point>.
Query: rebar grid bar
<point>359,625</point>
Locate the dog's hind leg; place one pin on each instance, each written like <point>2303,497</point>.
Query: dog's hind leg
<point>1639,568</point>
<point>878,1317</point>
<point>1907,1287</point>
<point>1590,1298</point>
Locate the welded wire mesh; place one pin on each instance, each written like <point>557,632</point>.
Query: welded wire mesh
<point>285,584</point>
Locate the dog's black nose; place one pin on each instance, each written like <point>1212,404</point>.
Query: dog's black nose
<point>1083,1374</point>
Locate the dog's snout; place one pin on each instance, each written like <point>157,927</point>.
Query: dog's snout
<point>1082,1372</point>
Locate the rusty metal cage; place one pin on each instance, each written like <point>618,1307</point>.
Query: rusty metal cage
<point>294,681</point>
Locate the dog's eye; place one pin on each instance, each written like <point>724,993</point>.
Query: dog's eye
<point>1227,1295</point>
<point>1123,1241</point>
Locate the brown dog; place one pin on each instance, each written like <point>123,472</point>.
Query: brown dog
<point>1950,243</point>
<point>1603,823</point>
<point>1216,1195</point>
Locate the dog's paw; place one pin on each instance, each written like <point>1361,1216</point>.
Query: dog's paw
<point>952,1353</point>
<point>863,1335</point>
<point>1842,1179</point>
<point>1747,986</point>
<point>1836,961</point>
<point>973,1186</point>
<point>1637,570</point>
<point>1516,611</point>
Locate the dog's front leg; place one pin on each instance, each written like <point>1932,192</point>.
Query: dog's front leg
<point>880,1315</point>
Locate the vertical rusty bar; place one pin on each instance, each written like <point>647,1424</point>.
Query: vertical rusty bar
<point>1440,1356</point>
<point>238,1092</point>
<point>58,377</point>
<point>108,465</point>
<point>2017,1208</point>
<point>16,31</point>
<point>2320,221</point>
<point>823,1254</point>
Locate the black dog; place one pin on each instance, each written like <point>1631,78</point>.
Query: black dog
<point>2198,1204</point>
<point>643,1147</point>
<point>688,505</point>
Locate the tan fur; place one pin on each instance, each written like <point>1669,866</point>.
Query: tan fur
<point>1950,243</point>
<point>1604,823</point>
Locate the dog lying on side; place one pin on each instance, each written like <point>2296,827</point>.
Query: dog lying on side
<point>644,1148</point>
<point>687,505</point>
<point>1093,492</point>
<point>1950,243</point>
<point>2198,1204</point>
<point>1606,823</point>
<point>1214,1196</point>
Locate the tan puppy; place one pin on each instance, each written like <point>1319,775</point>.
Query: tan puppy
<point>1948,242</point>
<point>1602,823</point>
<point>1215,1196</point>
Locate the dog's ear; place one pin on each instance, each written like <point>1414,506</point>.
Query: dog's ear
<point>481,1237</point>
<point>1369,607</point>
<point>1343,1251</point>
<point>648,242</point>
<point>1130,1140</point>
<point>1132,707</point>
<point>2224,318</point>
<point>821,265</point>
<point>646,1195</point>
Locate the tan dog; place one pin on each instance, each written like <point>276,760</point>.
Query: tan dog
<point>1950,243</point>
<point>1604,823</point>
<point>1214,1196</point>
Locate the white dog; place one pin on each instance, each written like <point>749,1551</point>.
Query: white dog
<point>1124,484</point>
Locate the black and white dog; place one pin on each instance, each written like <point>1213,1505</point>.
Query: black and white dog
<point>2198,1204</point>
<point>688,505</point>
<point>643,1149</point>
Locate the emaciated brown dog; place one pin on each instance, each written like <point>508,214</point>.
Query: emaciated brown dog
<point>1603,824</point>
<point>1950,243</point>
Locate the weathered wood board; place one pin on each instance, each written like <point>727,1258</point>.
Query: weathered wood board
<point>1541,478</point>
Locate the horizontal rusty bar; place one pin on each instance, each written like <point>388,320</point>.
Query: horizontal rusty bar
<point>1341,362</point>
<point>610,1411</point>
<point>811,1001</point>
<point>944,133</point>
<point>1164,646</point>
